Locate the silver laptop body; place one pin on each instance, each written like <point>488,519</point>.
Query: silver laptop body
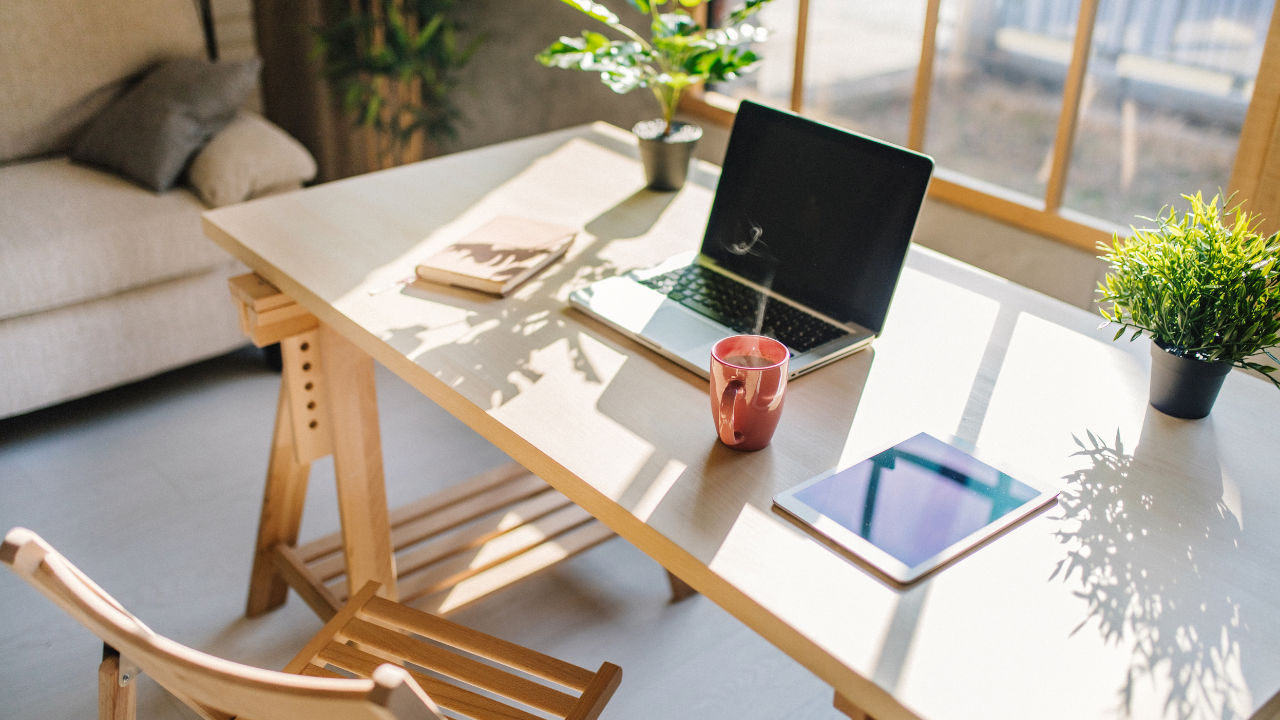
<point>806,239</point>
<point>684,335</point>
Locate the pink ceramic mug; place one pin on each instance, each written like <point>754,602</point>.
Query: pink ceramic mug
<point>748,380</point>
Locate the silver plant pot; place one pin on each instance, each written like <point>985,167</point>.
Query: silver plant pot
<point>666,160</point>
<point>1184,387</point>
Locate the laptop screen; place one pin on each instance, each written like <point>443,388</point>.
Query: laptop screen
<point>818,214</point>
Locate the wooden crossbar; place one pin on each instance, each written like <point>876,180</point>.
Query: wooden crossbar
<point>479,531</point>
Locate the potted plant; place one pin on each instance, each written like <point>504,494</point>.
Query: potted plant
<point>680,53</point>
<point>394,64</point>
<point>1208,294</point>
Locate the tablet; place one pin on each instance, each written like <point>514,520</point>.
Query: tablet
<point>913,508</point>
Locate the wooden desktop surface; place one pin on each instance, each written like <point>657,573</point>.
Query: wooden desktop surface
<point>1152,590</point>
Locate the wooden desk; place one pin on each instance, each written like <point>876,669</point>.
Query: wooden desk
<point>1154,589</point>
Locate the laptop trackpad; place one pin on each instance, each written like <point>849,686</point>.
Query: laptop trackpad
<point>684,332</point>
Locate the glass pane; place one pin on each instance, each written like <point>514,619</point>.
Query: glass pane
<point>999,74</point>
<point>1164,100</point>
<point>860,64</point>
<point>770,82</point>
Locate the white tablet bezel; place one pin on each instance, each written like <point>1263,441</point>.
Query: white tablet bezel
<point>886,565</point>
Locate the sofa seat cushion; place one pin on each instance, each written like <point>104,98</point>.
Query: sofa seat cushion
<point>69,233</point>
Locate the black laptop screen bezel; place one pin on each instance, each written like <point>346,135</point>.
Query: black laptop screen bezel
<point>818,214</point>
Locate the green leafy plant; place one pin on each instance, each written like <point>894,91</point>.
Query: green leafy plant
<point>680,52</point>
<point>395,65</point>
<point>1201,288</point>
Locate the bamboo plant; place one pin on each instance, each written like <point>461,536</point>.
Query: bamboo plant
<point>1200,287</point>
<point>394,65</point>
<point>679,53</point>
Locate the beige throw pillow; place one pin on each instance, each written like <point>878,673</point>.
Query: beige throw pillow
<point>250,157</point>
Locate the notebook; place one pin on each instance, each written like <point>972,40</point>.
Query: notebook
<point>806,239</point>
<point>912,508</point>
<point>500,255</point>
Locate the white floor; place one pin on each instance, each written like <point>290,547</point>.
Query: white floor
<point>153,491</point>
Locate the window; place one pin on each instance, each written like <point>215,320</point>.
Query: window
<point>1064,117</point>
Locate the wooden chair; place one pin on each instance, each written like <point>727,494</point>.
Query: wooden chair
<point>364,664</point>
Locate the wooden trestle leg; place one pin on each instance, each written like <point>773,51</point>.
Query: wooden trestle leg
<point>294,446</point>
<point>452,548</point>
<point>357,463</point>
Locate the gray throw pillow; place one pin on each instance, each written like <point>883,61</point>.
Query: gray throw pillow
<point>150,133</point>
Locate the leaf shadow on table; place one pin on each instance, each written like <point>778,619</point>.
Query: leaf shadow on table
<point>504,330</point>
<point>1135,545</point>
<point>713,478</point>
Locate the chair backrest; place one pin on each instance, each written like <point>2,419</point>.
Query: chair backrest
<point>211,686</point>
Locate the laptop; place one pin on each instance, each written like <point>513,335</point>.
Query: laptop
<point>806,239</point>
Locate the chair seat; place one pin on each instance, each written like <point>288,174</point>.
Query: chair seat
<point>370,630</point>
<point>374,660</point>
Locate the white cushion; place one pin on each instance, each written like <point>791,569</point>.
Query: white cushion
<point>69,233</point>
<point>249,158</point>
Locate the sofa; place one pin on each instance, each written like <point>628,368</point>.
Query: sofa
<point>102,282</point>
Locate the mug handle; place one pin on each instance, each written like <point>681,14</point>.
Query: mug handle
<point>728,435</point>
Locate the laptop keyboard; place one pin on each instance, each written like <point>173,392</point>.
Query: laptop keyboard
<point>737,306</point>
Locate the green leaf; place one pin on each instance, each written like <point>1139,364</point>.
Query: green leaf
<point>595,10</point>
<point>744,11</point>
<point>641,5</point>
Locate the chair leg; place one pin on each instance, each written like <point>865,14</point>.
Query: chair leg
<point>679,588</point>
<point>115,702</point>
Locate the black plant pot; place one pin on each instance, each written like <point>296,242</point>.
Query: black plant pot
<point>1184,387</point>
<point>666,160</point>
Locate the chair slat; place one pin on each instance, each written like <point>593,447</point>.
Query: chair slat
<point>477,643</point>
<point>597,695</point>
<point>466,702</point>
<point>317,671</point>
<point>308,654</point>
<point>378,639</point>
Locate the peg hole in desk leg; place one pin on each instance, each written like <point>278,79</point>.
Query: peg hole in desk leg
<point>306,367</point>
<point>311,405</point>
<point>308,386</point>
<point>304,347</point>
<point>313,424</point>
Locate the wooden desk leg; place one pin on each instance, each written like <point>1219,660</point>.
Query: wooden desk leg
<point>357,462</point>
<point>846,706</point>
<point>281,517</point>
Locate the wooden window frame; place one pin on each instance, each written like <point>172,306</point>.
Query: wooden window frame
<point>1252,174</point>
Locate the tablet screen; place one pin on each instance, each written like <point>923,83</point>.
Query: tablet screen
<point>915,500</point>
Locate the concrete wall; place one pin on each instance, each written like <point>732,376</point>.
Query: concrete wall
<point>510,95</point>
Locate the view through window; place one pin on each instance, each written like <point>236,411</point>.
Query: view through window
<point>1161,92</point>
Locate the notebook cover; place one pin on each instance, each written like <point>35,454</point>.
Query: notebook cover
<point>499,255</point>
